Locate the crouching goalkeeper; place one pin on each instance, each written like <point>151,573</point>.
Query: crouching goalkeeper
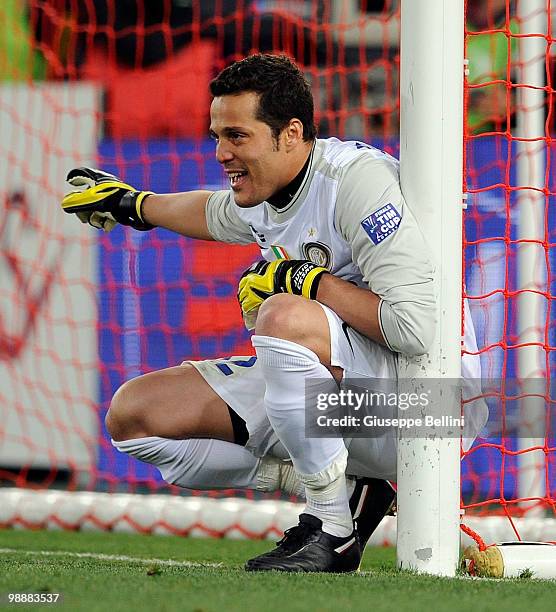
<point>345,283</point>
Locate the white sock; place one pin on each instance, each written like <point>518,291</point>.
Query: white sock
<point>327,497</point>
<point>319,462</point>
<point>205,464</point>
<point>201,464</point>
<point>276,475</point>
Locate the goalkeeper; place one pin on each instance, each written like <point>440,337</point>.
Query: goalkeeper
<point>353,288</point>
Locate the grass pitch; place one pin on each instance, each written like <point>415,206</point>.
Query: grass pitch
<point>135,572</point>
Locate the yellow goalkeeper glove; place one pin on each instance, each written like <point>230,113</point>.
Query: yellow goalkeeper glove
<point>103,200</point>
<point>266,278</point>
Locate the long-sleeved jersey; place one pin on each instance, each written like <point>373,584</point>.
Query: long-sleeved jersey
<point>349,216</point>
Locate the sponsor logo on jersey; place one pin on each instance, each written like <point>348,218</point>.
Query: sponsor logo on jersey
<point>318,253</point>
<point>259,237</point>
<point>382,223</point>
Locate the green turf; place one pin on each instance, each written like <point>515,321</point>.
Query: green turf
<point>93,584</point>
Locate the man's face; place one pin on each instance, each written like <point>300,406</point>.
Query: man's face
<point>257,166</point>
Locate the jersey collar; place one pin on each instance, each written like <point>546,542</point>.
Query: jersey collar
<point>301,183</point>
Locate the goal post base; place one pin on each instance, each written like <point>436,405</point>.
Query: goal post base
<point>512,560</point>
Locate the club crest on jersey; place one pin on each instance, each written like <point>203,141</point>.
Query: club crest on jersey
<point>382,223</point>
<point>318,253</point>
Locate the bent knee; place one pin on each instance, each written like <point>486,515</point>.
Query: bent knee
<point>284,314</point>
<point>296,319</point>
<point>124,419</point>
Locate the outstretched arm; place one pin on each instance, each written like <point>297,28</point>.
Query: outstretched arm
<point>183,213</point>
<point>103,200</point>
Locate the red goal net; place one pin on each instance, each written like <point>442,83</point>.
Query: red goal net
<point>509,260</point>
<point>124,86</point>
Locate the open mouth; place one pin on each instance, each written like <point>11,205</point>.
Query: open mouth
<point>237,178</point>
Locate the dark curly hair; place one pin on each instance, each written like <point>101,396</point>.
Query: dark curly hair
<point>283,90</point>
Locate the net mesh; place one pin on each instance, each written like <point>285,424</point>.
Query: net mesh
<point>123,86</point>
<point>509,254</point>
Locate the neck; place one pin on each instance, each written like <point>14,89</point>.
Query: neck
<point>284,196</point>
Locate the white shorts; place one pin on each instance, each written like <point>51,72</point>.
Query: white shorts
<point>239,382</point>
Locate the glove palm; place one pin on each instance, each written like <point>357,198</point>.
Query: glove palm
<point>103,200</point>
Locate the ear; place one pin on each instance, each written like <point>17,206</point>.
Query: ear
<point>293,133</point>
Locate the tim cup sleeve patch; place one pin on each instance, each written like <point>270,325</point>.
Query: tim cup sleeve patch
<point>382,223</point>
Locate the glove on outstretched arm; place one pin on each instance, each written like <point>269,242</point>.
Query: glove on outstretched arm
<point>266,278</point>
<point>103,200</point>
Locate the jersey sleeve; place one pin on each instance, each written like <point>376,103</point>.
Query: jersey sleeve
<point>391,252</point>
<point>223,220</point>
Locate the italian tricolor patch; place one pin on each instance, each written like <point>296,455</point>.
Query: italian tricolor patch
<point>280,252</point>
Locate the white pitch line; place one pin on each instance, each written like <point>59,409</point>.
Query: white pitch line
<point>172,563</point>
<point>102,557</point>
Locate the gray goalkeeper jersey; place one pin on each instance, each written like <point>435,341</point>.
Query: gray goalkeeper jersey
<point>349,216</point>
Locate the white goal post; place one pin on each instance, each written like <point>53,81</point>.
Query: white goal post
<point>431,165</point>
<point>531,258</point>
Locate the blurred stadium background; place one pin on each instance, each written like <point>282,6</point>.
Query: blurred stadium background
<point>122,85</point>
